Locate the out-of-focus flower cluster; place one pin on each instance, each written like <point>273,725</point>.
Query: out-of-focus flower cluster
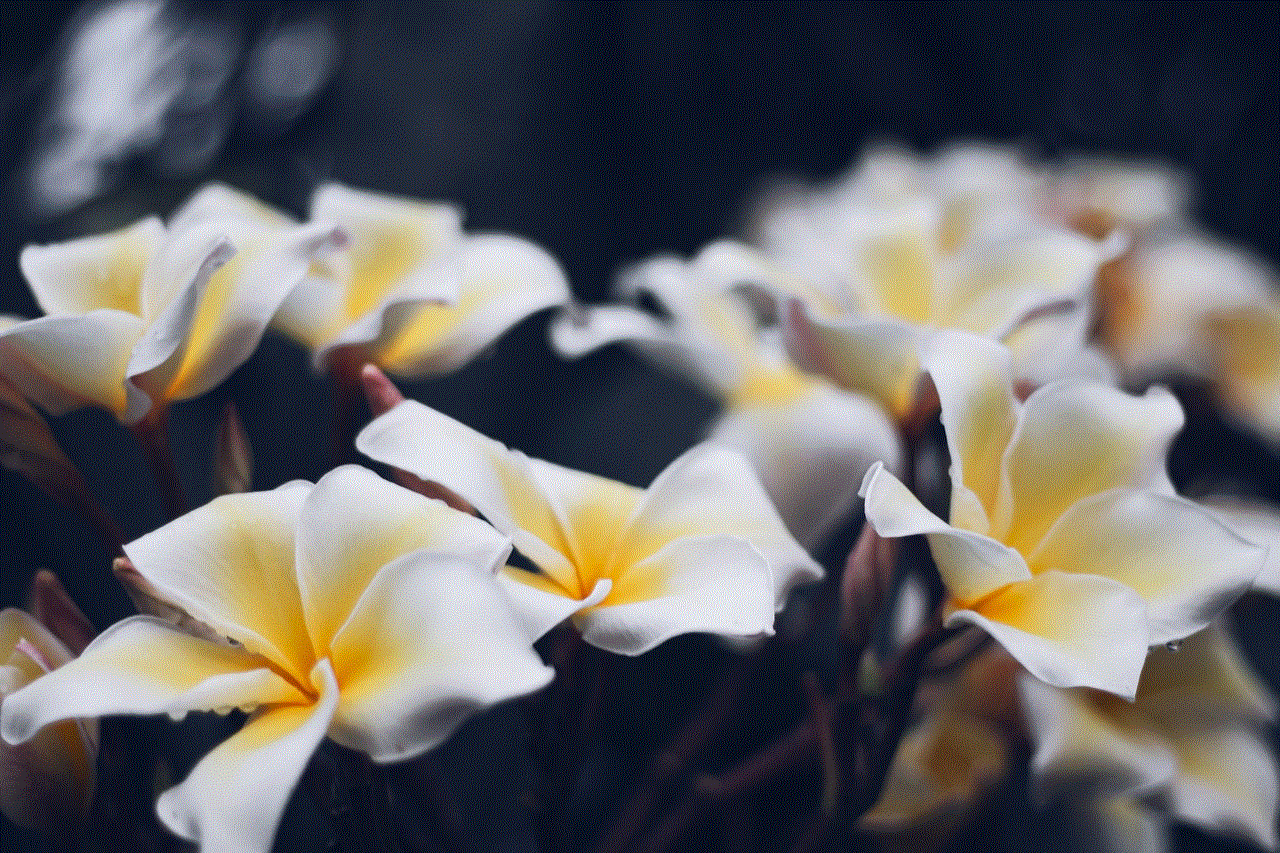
<point>971,309</point>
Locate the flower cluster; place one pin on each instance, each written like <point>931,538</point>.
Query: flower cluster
<point>973,310</point>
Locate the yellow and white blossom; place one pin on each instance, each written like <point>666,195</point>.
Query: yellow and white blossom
<point>352,608</point>
<point>1190,746</point>
<point>148,315</point>
<point>412,293</point>
<point>857,311</point>
<point>809,442</point>
<point>1066,541</point>
<point>1186,304</point>
<point>699,550</point>
<point>46,783</point>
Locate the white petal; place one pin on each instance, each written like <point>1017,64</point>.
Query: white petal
<point>971,565</point>
<point>353,523</point>
<point>1083,748</point>
<point>219,201</point>
<point>103,271</point>
<point>504,280</point>
<point>1228,783</point>
<point>172,291</point>
<point>46,360</point>
<point>688,499</point>
<point>1077,439</point>
<point>495,480</point>
<point>1258,523</point>
<point>1068,630</point>
<point>540,603</point>
<point>979,412</point>
<point>811,453</point>
<point>144,666</point>
<point>1187,565</point>
<point>233,799</point>
<point>872,357</point>
<point>574,333</point>
<point>230,564</point>
<point>715,584</point>
<point>432,642</point>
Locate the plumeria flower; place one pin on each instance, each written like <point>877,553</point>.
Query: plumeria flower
<point>1189,305</point>
<point>352,608</point>
<point>148,315</point>
<point>412,293</point>
<point>1065,540</point>
<point>809,442</point>
<point>1190,746</point>
<point>46,783</point>
<point>857,309</point>
<point>700,550</point>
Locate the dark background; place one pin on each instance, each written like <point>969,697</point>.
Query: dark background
<point>610,132</point>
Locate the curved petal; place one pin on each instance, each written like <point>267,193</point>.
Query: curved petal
<point>432,642</point>
<point>578,331</point>
<point>1068,630</point>
<point>242,296</point>
<point>504,280</point>
<point>688,500</point>
<point>973,377</point>
<point>219,201</point>
<point>353,523</point>
<point>495,480</point>
<point>1228,783</point>
<point>144,666</point>
<point>811,453</point>
<point>716,584</point>
<point>230,564</point>
<point>103,271</point>
<point>1188,566</point>
<point>311,314</point>
<point>172,291</point>
<point>234,798</point>
<point>540,603</point>
<point>1258,523</point>
<point>1083,749</point>
<point>971,565</point>
<point>872,357</point>
<point>1077,439</point>
<point>45,359</point>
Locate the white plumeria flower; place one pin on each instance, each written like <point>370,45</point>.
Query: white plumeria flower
<point>699,550</point>
<point>1190,745</point>
<point>412,293</point>
<point>809,442</point>
<point>1187,304</point>
<point>857,309</point>
<point>146,315</point>
<point>1066,541</point>
<point>354,608</point>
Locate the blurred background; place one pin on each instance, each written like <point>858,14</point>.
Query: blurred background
<point>605,132</point>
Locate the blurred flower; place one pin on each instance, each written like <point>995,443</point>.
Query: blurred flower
<point>872,282</point>
<point>809,442</point>
<point>46,783</point>
<point>1066,541</point>
<point>145,316</point>
<point>352,607</point>
<point>1182,303</point>
<point>700,550</point>
<point>1189,746</point>
<point>412,293</point>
